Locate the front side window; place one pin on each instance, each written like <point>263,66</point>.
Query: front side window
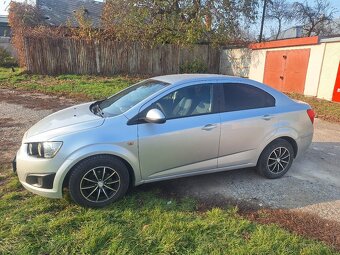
<point>128,98</point>
<point>188,101</point>
<point>239,97</point>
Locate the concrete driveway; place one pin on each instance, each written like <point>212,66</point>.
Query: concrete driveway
<point>311,185</point>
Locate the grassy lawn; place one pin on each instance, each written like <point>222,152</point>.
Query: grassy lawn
<point>80,86</point>
<point>141,223</point>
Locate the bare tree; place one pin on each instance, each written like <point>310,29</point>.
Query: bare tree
<point>280,11</point>
<point>316,19</point>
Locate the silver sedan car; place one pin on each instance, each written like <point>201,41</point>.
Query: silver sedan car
<point>162,128</point>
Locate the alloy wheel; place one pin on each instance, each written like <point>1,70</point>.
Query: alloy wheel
<point>278,160</point>
<point>99,184</point>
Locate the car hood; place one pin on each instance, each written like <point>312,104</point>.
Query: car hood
<point>71,119</point>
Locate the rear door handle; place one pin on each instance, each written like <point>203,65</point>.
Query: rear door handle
<point>267,117</point>
<point>209,127</point>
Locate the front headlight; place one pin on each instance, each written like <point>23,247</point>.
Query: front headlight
<point>43,149</point>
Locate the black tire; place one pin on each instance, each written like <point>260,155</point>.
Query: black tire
<point>280,149</point>
<point>89,175</point>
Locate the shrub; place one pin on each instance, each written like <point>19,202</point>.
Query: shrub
<point>195,66</point>
<point>6,60</point>
<point>26,20</point>
<point>22,17</point>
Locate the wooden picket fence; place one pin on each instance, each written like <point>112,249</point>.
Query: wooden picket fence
<point>74,56</point>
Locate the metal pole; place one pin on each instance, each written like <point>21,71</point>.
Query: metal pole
<point>262,22</point>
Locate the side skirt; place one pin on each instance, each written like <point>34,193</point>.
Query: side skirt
<point>199,172</point>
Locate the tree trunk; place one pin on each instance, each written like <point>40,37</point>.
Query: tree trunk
<point>278,30</point>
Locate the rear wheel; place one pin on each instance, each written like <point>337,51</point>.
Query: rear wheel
<point>276,159</point>
<point>98,181</point>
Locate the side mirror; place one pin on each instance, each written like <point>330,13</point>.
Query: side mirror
<point>155,116</point>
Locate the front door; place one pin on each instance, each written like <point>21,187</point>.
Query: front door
<point>188,141</point>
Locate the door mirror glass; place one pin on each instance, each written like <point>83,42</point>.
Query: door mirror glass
<point>155,116</point>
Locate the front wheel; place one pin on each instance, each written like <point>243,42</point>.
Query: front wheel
<point>98,181</point>
<point>276,159</point>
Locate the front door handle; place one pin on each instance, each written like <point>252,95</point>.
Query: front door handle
<point>209,127</point>
<point>267,117</point>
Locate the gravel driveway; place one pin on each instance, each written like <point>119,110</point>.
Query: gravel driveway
<point>312,185</point>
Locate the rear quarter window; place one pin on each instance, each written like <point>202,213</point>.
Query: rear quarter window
<point>239,97</point>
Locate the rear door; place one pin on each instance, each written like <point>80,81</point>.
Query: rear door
<point>189,139</point>
<point>247,119</point>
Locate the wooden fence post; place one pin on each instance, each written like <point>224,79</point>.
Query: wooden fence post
<point>26,54</point>
<point>96,43</point>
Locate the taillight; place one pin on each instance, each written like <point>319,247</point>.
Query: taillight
<point>311,115</point>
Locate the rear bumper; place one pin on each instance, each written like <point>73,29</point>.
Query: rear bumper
<point>303,143</point>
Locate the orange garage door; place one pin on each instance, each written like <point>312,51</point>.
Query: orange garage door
<point>286,70</point>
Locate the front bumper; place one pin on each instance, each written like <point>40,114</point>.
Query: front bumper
<point>38,175</point>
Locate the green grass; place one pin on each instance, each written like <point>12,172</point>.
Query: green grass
<point>140,223</point>
<point>83,86</point>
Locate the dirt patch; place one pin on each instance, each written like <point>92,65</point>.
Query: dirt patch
<point>300,223</point>
<point>8,153</point>
<point>204,204</point>
<point>8,123</point>
<point>34,100</point>
<point>19,111</point>
<point>4,121</point>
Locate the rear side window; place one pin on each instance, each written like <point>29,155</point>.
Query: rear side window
<point>239,97</point>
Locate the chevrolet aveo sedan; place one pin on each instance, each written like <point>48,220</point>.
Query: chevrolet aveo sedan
<point>162,128</point>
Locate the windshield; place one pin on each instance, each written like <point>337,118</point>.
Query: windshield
<point>126,99</point>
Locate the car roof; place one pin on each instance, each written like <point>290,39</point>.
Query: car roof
<point>175,78</point>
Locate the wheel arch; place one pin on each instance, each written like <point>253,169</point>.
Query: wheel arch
<point>292,142</point>
<point>287,133</point>
<point>289,139</point>
<point>126,163</point>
